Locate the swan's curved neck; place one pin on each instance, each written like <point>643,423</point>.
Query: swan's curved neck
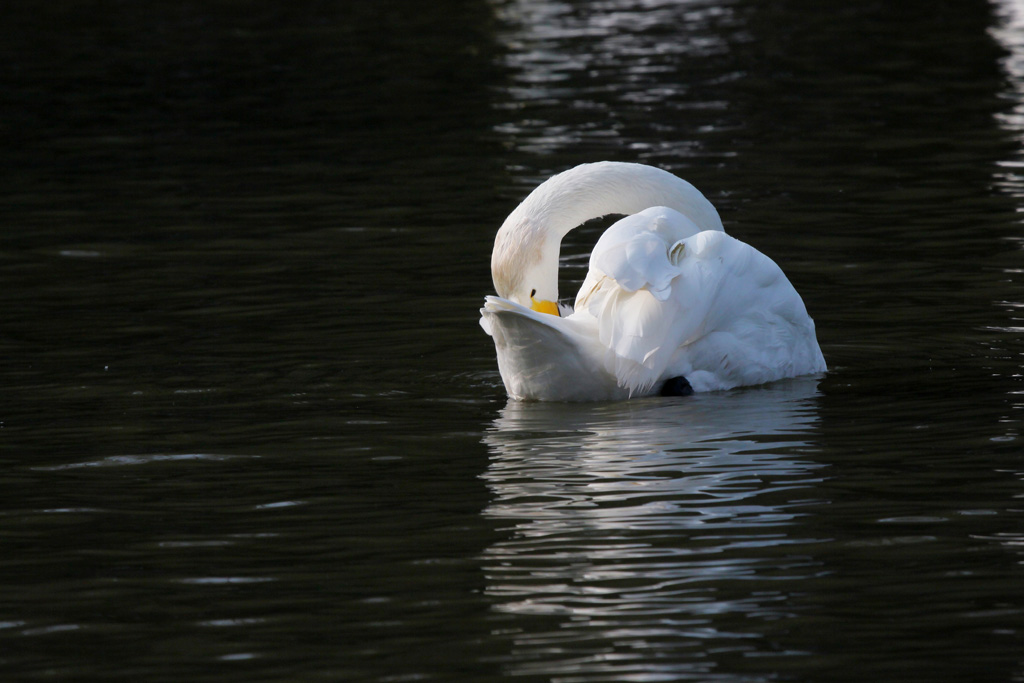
<point>525,256</point>
<point>524,261</point>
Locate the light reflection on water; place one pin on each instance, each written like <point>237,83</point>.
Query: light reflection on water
<point>631,48</point>
<point>1009,176</point>
<point>651,525</point>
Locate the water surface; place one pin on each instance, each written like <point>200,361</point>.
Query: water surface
<point>252,431</point>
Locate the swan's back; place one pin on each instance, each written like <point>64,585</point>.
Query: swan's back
<point>715,310</point>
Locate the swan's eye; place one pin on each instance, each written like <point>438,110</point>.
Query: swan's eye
<point>533,293</point>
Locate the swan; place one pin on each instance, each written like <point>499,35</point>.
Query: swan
<point>671,304</point>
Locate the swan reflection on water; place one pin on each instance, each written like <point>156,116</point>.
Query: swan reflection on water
<point>653,523</point>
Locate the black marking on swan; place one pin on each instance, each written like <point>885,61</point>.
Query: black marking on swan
<point>676,386</point>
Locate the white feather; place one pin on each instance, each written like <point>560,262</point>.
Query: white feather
<point>663,298</point>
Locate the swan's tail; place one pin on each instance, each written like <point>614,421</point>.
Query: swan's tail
<point>543,357</point>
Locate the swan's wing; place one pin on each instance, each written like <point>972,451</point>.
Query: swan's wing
<point>638,330</point>
<point>636,251</point>
<point>629,293</point>
<point>703,304</point>
<point>546,357</point>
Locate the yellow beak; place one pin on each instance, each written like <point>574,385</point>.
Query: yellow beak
<point>544,306</point>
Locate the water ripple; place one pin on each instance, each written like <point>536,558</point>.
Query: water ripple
<point>132,460</point>
<point>640,518</point>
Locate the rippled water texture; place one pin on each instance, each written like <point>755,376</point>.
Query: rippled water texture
<point>250,427</point>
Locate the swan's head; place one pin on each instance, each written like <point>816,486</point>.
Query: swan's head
<point>524,265</point>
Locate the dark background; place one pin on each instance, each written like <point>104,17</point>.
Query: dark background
<point>250,429</point>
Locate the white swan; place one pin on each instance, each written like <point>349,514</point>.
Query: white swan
<point>671,303</point>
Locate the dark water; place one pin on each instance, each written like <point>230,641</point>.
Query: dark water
<point>251,431</point>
